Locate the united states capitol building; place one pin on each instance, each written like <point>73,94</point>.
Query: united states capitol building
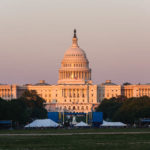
<point>74,91</point>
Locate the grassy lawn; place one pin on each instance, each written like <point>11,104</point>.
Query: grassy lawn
<point>76,142</point>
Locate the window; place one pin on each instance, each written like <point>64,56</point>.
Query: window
<point>74,95</point>
<point>74,108</point>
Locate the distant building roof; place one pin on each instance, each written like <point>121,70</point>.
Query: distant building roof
<point>42,82</point>
<point>108,82</point>
<point>3,84</point>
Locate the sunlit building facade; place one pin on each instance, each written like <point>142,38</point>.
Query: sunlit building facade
<point>136,90</point>
<point>109,90</point>
<point>9,92</point>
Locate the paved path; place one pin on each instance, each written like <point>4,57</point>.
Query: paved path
<point>87,133</point>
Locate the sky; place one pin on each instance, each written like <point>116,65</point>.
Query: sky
<point>34,35</point>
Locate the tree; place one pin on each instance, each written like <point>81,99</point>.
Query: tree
<point>18,111</point>
<point>35,104</point>
<point>109,107</point>
<point>133,109</point>
<point>30,106</point>
<point>125,110</point>
<point>3,109</point>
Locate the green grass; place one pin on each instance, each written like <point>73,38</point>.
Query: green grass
<point>76,142</point>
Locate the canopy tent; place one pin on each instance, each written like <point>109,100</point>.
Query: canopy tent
<point>42,123</point>
<point>113,124</point>
<point>81,124</point>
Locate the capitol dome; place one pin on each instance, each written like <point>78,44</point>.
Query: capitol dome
<point>74,51</point>
<point>75,65</point>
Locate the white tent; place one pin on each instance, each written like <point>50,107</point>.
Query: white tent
<point>113,124</point>
<point>42,123</point>
<point>81,124</point>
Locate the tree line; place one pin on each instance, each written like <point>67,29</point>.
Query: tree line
<point>24,109</point>
<point>126,110</point>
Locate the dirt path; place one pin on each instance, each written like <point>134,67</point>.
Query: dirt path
<point>88,133</point>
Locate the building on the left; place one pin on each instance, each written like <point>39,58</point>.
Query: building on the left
<point>9,92</point>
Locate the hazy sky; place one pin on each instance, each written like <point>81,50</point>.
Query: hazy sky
<point>34,35</point>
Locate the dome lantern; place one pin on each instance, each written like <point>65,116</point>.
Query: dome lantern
<point>75,40</point>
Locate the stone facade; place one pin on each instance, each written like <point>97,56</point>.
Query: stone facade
<point>109,90</point>
<point>72,98</point>
<point>9,92</point>
<point>136,90</point>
